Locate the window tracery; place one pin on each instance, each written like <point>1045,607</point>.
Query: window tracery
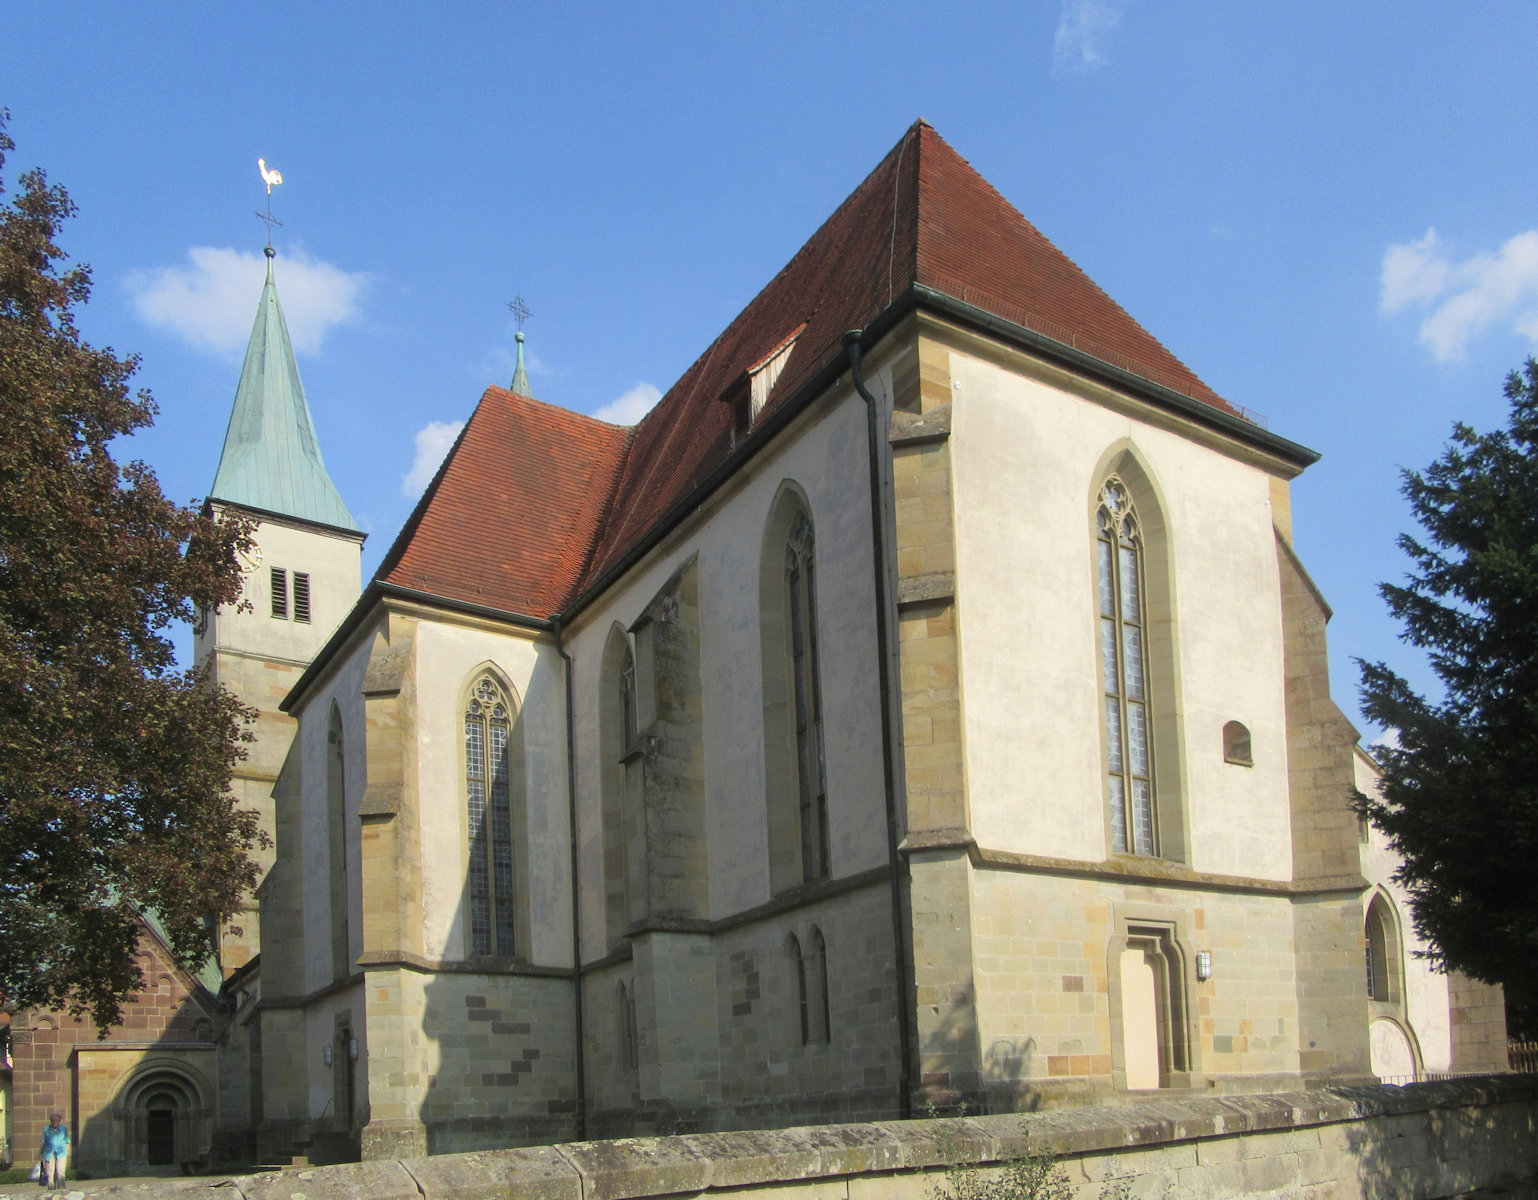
<point>801,594</point>
<point>487,725</point>
<point>1124,672</point>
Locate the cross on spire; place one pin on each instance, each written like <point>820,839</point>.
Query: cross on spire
<point>521,313</point>
<point>267,219</point>
<point>272,178</point>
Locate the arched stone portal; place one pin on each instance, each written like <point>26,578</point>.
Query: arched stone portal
<point>163,1118</point>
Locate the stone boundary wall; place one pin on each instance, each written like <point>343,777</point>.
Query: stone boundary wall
<point>1416,1142</point>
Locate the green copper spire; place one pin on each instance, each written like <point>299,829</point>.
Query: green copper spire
<point>271,458</point>
<point>520,376</point>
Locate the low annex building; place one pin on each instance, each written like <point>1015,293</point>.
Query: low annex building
<point>925,703</point>
<point>142,1095</point>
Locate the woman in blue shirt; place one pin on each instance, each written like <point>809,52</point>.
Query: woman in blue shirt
<point>55,1150</point>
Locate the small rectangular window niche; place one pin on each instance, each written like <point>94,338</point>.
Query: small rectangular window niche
<point>280,593</point>
<point>302,597</point>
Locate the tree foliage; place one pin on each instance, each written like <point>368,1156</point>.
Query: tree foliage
<point>114,766</point>
<point>1459,795</point>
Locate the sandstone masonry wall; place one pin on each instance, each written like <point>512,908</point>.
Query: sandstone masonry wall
<point>1354,1143</point>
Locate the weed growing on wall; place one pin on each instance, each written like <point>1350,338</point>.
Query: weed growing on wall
<point>1023,1176</point>
<point>1029,1177</point>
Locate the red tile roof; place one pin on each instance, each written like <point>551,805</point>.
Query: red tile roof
<point>535,504</point>
<point>975,246</point>
<point>508,521</point>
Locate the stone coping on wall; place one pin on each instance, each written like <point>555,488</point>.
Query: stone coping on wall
<point>690,1164</point>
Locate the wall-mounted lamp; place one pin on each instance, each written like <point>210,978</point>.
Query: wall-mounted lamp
<point>1203,965</point>
<point>325,1054</point>
<point>352,1049</point>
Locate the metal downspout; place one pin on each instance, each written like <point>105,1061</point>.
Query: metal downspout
<point>883,644</point>
<point>576,898</point>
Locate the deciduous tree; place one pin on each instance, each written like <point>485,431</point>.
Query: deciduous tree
<point>114,765</point>
<point>1460,782</point>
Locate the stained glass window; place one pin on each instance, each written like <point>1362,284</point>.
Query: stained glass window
<point>806,696</point>
<point>1124,672</point>
<point>489,810</point>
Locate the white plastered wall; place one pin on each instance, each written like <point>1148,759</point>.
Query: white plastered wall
<point>1427,1000</point>
<point>824,453</point>
<point>448,654</point>
<point>1025,458</point>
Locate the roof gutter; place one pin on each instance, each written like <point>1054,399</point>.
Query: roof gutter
<point>283,518</point>
<point>1161,396</point>
<point>889,747</point>
<point>915,296</point>
<point>921,296</point>
<point>779,416</point>
<point>576,890</point>
<point>377,591</point>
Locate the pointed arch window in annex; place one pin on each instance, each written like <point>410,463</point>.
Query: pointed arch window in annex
<point>1384,971</point>
<point>336,845</point>
<point>1124,672</point>
<point>487,735</point>
<point>801,613</point>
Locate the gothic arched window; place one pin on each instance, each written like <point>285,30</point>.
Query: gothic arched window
<point>806,687</point>
<point>795,756</point>
<point>624,1018</point>
<point>488,718</point>
<point>1124,672</point>
<point>1384,972</point>
<point>811,965</point>
<point>336,846</point>
<point>621,773</point>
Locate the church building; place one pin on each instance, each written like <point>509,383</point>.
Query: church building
<point>925,703</point>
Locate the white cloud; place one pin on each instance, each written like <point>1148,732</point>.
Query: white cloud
<point>1463,299</point>
<point>1082,31</point>
<point>630,407</point>
<point>210,303</point>
<point>433,442</point>
<point>497,365</point>
<point>1413,272</point>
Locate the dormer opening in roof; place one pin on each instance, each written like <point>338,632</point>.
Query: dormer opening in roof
<point>765,373</point>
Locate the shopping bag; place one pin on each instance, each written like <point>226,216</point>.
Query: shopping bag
<point>36,1173</point>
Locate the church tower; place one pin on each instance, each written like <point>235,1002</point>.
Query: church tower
<point>302,575</point>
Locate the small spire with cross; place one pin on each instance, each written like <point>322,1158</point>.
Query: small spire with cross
<point>521,313</point>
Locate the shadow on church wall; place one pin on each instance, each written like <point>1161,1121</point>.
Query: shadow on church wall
<point>957,1076</point>
<point>1444,1151</point>
<point>496,1061</point>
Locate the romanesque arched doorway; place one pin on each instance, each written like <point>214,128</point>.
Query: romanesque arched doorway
<point>164,1118</point>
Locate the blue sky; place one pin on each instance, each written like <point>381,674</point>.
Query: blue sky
<point>1327,210</point>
